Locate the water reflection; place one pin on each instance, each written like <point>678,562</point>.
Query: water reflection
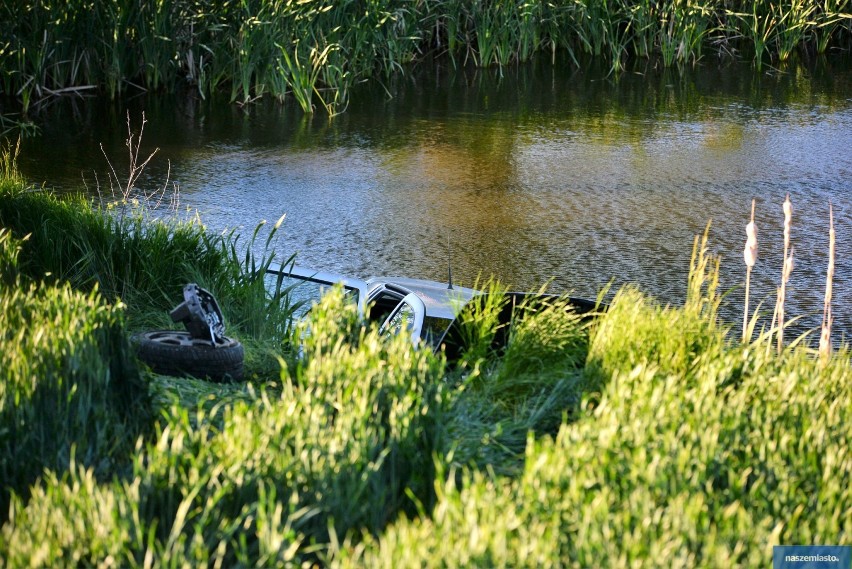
<point>542,173</point>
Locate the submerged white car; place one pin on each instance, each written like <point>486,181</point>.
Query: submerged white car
<point>424,309</point>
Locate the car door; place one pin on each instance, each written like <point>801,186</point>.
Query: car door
<point>406,318</point>
<point>310,284</point>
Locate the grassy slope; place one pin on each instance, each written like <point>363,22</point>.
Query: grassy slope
<point>646,439</point>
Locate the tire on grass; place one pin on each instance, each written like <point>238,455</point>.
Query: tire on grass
<point>170,352</point>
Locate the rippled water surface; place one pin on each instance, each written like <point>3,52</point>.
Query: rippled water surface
<point>544,173</point>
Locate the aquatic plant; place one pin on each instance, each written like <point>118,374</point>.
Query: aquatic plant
<point>827,317</point>
<point>123,46</point>
<point>750,257</point>
<point>786,270</point>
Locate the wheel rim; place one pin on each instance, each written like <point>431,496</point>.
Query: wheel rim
<point>183,339</point>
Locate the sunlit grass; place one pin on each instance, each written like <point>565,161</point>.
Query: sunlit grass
<point>695,453</point>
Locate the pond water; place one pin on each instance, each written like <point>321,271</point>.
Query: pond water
<point>541,173</point>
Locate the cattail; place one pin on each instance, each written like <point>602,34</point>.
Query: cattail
<point>788,221</point>
<point>750,257</point>
<point>786,269</point>
<point>827,317</point>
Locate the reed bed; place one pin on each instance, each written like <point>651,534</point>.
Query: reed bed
<point>314,51</point>
<point>644,436</point>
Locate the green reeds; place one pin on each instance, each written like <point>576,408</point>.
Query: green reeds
<point>683,31</point>
<point>301,70</point>
<point>757,26</point>
<point>795,20</point>
<point>123,46</point>
<point>833,19</point>
<point>70,384</point>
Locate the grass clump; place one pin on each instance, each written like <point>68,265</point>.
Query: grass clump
<point>638,331</point>
<point>128,257</point>
<point>521,372</point>
<point>70,385</point>
<point>144,262</point>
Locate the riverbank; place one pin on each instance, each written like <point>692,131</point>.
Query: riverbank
<point>649,438</point>
<point>313,52</point>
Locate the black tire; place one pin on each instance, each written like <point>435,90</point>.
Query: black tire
<point>170,352</point>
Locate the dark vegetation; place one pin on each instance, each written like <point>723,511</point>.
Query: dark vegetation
<point>314,51</point>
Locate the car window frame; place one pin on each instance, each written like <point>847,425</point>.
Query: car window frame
<point>307,274</point>
<point>419,310</point>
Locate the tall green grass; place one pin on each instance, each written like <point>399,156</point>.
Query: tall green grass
<point>70,389</point>
<point>344,443</point>
<point>315,50</point>
<point>531,383</point>
<point>144,262</point>
<point>127,256</point>
<point>708,467</point>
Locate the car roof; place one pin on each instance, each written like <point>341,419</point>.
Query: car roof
<point>440,300</point>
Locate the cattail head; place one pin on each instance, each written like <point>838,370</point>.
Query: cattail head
<point>750,252</point>
<point>827,318</point>
<point>788,220</point>
<point>751,231</point>
<point>788,266</point>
